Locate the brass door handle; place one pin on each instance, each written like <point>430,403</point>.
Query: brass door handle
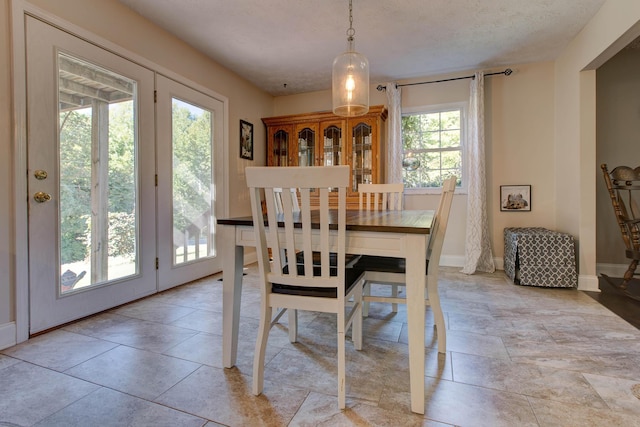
<point>41,197</point>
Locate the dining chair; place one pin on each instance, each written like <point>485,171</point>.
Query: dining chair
<point>375,197</point>
<point>314,285</point>
<point>388,270</point>
<point>386,197</point>
<point>277,194</point>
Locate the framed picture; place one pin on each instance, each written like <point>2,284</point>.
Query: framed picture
<point>515,198</point>
<point>246,140</point>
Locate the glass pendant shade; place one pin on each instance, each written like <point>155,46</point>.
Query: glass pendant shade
<point>350,85</point>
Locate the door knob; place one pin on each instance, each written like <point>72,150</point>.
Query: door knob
<point>41,197</point>
<point>40,174</point>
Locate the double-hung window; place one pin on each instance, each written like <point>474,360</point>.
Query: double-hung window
<point>432,141</point>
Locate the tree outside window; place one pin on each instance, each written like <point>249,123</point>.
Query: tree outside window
<point>432,147</point>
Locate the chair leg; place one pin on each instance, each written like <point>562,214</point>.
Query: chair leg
<point>341,360</point>
<point>365,304</point>
<point>261,346</point>
<point>356,327</point>
<point>628,275</point>
<point>438,316</point>
<point>394,294</point>
<point>293,325</point>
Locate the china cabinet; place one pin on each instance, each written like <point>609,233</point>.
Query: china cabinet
<point>324,139</point>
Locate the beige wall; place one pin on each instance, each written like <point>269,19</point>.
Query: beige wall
<point>519,145</point>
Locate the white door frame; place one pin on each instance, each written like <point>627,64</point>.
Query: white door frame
<point>20,8</point>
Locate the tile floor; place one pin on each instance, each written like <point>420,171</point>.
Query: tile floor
<point>516,356</point>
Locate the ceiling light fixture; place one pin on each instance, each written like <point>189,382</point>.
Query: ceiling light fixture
<point>350,85</point>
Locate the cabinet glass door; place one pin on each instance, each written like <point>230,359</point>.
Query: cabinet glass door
<point>332,146</point>
<point>280,148</point>
<point>362,154</point>
<point>306,147</point>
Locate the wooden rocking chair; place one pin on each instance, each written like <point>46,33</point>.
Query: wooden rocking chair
<point>623,184</point>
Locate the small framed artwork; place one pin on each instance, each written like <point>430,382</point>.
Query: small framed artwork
<point>515,198</point>
<point>246,140</point>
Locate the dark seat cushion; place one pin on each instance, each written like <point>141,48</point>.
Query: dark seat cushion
<point>350,277</point>
<point>383,264</point>
<point>349,258</point>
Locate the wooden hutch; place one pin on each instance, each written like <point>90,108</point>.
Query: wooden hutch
<point>324,139</point>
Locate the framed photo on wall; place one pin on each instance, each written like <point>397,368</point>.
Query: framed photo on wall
<point>246,140</point>
<point>515,198</point>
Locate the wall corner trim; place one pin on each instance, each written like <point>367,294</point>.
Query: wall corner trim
<point>7,335</point>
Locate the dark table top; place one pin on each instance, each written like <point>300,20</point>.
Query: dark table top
<point>405,221</point>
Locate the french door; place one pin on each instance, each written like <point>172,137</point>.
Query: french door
<point>190,169</point>
<point>104,217</point>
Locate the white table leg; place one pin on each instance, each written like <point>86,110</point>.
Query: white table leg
<point>416,266</point>
<point>231,292</point>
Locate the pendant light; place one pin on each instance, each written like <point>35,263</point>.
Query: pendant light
<point>350,84</point>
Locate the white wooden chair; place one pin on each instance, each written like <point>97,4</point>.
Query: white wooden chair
<point>386,197</point>
<point>277,194</point>
<point>392,270</point>
<point>375,197</point>
<point>325,286</point>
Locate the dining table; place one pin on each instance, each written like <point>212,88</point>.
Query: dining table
<point>400,234</point>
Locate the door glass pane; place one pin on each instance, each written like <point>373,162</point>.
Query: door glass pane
<point>362,154</point>
<point>306,145</point>
<point>193,230</point>
<point>98,169</point>
<point>281,148</point>
<point>332,144</point>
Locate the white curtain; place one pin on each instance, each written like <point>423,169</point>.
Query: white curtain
<point>394,134</point>
<point>478,255</point>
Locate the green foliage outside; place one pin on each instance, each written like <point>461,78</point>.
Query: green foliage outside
<point>75,183</point>
<point>192,146</point>
<point>433,139</point>
<point>191,181</point>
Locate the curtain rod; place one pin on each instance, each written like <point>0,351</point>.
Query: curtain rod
<point>506,72</point>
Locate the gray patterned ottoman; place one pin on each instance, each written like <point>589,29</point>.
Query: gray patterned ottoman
<point>536,256</point>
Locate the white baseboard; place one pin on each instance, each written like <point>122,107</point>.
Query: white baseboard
<point>451,261</point>
<point>458,261</point>
<point>588,283</point>
<point>250,258</point>
<point>7,335</point>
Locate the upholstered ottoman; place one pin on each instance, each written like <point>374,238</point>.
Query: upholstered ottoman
<point>536,256</point>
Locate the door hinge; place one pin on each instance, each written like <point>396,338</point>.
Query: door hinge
<point>157,263</point>
<point>155,96</point>
<point>156,180</point>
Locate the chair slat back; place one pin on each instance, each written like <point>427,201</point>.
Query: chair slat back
<point>290,231</point>
<point>623,185</point>
<point>386,197</point>
<point>439,224</point>
<point>277,194</point>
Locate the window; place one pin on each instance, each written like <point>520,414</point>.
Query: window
<point>432,146</point>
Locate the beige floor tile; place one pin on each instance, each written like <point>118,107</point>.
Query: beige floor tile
<point>59,350</point>
<point>137,372</point>
<point>224,396</point>
<point>105,407</point>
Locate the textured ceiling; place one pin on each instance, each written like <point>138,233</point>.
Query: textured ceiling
<point>274,43</point>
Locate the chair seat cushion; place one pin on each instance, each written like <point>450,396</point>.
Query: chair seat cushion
<point>383,264</point>
<point>350,259</point>
<point>351,277</point>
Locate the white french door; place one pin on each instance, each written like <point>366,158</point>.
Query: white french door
<point>190,127</point>
<point>91,177</point>
<point>123,196</point>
